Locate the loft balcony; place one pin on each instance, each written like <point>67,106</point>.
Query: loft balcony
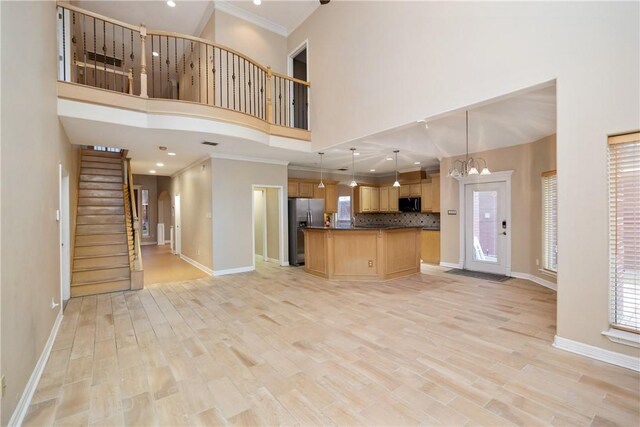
<point>107,66</point>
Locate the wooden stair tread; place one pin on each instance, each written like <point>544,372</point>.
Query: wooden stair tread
<point>95,282</point>
<point>103,233</point>
<point>109,255</point>
<point>108,267</point>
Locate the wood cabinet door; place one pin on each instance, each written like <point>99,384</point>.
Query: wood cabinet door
<point>365,199</point>
<point>435,193</point>
<point>375,199</point>
<point>394,194</point>
<point>318,193</point>
<point>293,188</point>
<point>384,199</point>
<point>430,247</point>
<point>415,190</point>
<point>330,198</point>
<point>306,189</point>
<point>405,190</point>
<point>426,204</point>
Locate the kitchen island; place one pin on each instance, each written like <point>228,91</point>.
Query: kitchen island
<point>362,253</point>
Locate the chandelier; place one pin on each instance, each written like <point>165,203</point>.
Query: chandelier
<point>470,165</point>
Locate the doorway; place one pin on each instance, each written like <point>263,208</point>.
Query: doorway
<point>178,232</point>
<point>298,69</point>
<point>267,224</point>
<point>65,239</point>
<point>485,223</point>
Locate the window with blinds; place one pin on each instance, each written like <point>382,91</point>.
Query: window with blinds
<point>624,231</point>
<point>550,221</point>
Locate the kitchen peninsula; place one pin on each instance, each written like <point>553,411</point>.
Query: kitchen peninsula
<point>362,253</point>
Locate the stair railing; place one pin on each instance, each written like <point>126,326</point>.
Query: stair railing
<point>132,216</point>
<point>102,52</point>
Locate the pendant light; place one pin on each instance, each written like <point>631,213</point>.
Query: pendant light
<point>396,182</point>
<point>321,185</point>
<point>353,169</point>
<point>470,165</point>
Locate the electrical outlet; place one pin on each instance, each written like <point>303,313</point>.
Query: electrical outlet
<point>537,262</point>
<point>4,385</point>
<point>370,263</point>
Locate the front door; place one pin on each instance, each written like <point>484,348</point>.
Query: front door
<point>486,228</point>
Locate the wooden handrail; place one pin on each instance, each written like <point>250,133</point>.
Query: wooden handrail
<point>97,16</point>
<point>293,79</point>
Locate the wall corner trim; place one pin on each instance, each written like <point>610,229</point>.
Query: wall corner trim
<point>535,279</point>
<point>25,400</point>
<point>234,270</point>
<point>196,264</point>
<point>238,12</point>
<point>597,353</point>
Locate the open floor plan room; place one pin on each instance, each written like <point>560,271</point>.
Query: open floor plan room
<point>280,347</point>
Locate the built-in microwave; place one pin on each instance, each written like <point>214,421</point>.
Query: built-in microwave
<point>409,204</point>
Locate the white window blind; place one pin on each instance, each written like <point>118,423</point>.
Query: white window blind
<point>624,231</point>
<point>550,221</point>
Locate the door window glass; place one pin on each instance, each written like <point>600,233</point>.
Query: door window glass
<point>485,226</point>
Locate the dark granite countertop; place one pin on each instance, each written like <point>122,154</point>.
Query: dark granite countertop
<point>366,227</point>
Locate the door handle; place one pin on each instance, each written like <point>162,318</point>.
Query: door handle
<point>504,233</point>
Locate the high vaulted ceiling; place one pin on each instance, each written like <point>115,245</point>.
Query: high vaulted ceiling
<point>189,17</point>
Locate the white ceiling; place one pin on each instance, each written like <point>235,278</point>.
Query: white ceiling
<point>514,120</point>
<point>189,17</point>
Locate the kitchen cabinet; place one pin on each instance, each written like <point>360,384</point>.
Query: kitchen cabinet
<point>431,195</point>
<point>331,198</point>
<point>394,194</point>
<point>306,189</point>
<point>430,246</point>
<point>318,193</point>
<point>293,188</point>
<point>367,199</point>
<point>411,190</point>
<point>426,204</point>
<point>384,199</point>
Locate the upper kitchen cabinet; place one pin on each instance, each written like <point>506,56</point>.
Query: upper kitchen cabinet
<point>410,190</point>
<point>330,198</point>
<point>431,194</point>
<point>309,189</point>
<point>306,189</point>
<point>394,194</point>
<point>293,188</point>
<point>367,199</point>
<point>389,199</point>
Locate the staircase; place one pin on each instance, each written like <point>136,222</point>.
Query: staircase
<point>103,244</point>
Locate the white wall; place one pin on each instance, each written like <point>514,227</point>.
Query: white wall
<point>378,65</point>
<point>33,144</point>
<point>232,214</point>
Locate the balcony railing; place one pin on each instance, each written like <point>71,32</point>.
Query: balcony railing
<point>105,53</point>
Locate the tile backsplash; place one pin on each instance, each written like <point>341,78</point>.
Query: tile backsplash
<point>428,220</point>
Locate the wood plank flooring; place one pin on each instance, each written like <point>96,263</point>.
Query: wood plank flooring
<point>279,347</point>
<point>161,266</point>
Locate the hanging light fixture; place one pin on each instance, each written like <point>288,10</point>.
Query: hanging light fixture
<point>321,185</point>
<point>470,165</point>
<point>353,169</point>
<point>396,182</point>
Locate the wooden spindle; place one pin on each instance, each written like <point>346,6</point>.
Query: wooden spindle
<point>269,100</point>
<point>143,62</point>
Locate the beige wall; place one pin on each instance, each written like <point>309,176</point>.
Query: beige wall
<point>528,161</point>
<point>462,60</point>
<point>194,187</point>
<point>232,215</point>
<point>263,46</point>
<point>258,221</point>
<point>34,142</point>
<point>273,224</point>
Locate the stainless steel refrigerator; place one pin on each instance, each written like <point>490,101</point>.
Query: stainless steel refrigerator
<point>302,213</point>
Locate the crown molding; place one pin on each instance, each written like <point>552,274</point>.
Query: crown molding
<point>206,16</point>
<point>189,166</point>
<point>238,12</point>
<point>249,159</point>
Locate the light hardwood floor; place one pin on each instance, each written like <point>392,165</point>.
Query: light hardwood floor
<point>161,266</point>
<point>278,346</point>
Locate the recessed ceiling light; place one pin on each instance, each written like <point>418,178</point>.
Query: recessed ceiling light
<point>152,171</point>
<point>257,2</point>
<point>171,3</point>
<point>160,164</point>
<point>154,53</point>
<point>416,163</point>
<point>389,158</point>
<point>372,170</point>
<point>356,154</point>
<point>171,154</point>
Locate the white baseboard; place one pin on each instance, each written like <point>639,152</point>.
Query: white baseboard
<point>166,242</point>
<point>148,243</point>
<point>25,400</point>
<point>597,353</point>
<point>274,260</point>
<point>535,279</point>
<point>285,264</point>
<point>450,265</point>
<point>234,270</point>
<point>197,264</point>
